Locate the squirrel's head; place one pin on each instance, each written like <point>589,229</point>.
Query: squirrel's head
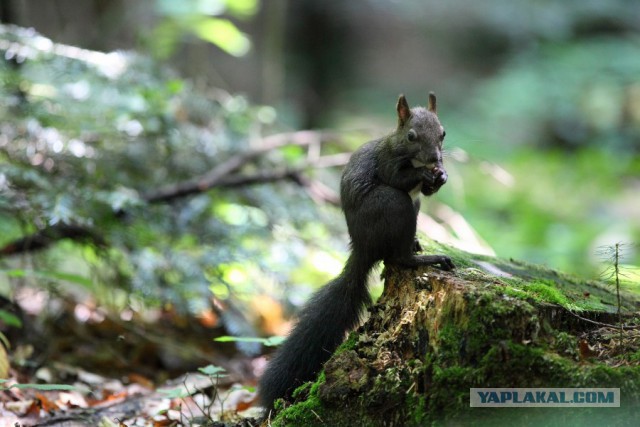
<point>421,133</point>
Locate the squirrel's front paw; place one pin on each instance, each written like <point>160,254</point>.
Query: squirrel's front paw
<point>444,263</point>
<point>417,247</point>
<point>432,180</point>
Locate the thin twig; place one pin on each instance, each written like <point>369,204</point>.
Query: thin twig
<point>214,176</point>
<point>608,325</point>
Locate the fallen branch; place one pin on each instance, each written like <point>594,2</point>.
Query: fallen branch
<point>45,237</point>
<point>212,178</point>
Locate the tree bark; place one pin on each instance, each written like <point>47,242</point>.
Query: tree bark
<point>433,335</point>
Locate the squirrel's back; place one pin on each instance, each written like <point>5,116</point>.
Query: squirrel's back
<point>358,176</point>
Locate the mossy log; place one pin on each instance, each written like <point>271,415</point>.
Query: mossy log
<point>433,335</point>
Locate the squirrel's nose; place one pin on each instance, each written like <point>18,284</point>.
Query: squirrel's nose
<point>435,161</point>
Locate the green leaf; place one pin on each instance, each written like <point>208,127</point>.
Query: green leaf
<point>10,319</point>
<point>174,86</point>
<point>274,341</point>
<point>5,341</point>
<point>42,387</point>
<point>242,8</point>
<point>212,370</point>
<point>175,393</point>
<point>224,34</point>
<point>293,153</point>
<point>269,342</point>
<point>238,339</point>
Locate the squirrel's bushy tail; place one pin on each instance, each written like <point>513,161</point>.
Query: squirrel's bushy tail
<point>332,311</point>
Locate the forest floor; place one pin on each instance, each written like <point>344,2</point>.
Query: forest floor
<point>72,363</point>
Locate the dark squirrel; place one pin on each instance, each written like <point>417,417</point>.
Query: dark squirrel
<point>380,190</point>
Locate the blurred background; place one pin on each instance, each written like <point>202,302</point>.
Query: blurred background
<point>540,99</point>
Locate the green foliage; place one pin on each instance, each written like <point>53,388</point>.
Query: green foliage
<point>564,95</point>
<point>200,18</point>
<point>88,136</point>
<point>550,153</point>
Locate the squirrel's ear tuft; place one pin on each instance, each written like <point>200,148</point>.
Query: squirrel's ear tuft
<point>431,106</point>
<point>404,112</point>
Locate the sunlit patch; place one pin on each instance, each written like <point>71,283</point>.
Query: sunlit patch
<point>326,263</point>
<point>77,147</point>
<point>498,173</point>
<point>32,301</point>
<point>40,90</point>
<point>82,313</point>
<point>79,91</point>
<point>132,128</point>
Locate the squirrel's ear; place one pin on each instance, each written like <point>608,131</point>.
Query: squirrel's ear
<point>404,112</point>
<point>431,106</point>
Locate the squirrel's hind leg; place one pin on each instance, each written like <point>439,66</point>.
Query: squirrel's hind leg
<point>395,227</point>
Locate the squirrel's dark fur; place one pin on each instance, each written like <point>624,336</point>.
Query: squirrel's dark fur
<point>379,190</point>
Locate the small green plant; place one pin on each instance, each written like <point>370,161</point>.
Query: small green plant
<point>204,405</point>
<point>613,254</point>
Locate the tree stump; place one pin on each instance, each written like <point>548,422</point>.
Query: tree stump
<point>433,335</point>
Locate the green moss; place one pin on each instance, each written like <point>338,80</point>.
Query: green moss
<point>543,291</point>
<point>348,344</point>
<point>627,378</point>
<point>566,345</point>
<point>302,390</point>
<point>489,332</point>
<point>449,391</point>
<point>388,386</point>
<point>579,293</point>
<point>417,405</point>
<point>531,281</point>
<point>305,412</point>
<point>514,365</point>
<point>460,258</point>
<point>572,296</point>
<point>450,341</point>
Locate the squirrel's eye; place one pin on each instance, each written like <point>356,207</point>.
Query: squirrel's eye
<point>444,133</point>
<point>412,135</point>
